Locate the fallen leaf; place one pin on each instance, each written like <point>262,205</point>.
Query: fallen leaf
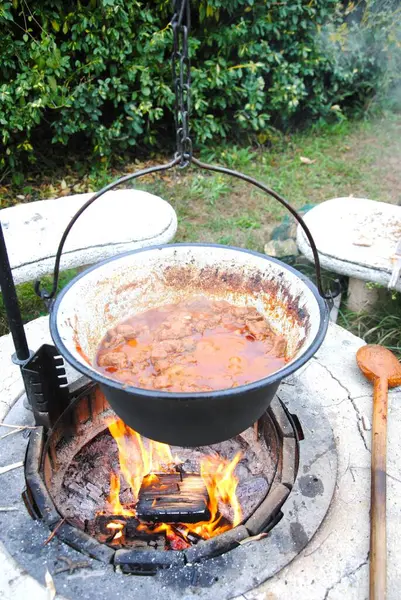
<point>51,588</point>
<point>307,161</point>
<point>11,467</point>
<point>254,538</point>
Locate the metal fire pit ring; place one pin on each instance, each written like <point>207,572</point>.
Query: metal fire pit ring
<point>47,462</point>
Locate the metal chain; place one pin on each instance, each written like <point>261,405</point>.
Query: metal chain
<point>181,23</point>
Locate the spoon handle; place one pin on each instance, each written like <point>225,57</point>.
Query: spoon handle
<point>378,549</point>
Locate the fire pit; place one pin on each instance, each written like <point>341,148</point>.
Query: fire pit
<point>223,566</point>
<point>120,498</point>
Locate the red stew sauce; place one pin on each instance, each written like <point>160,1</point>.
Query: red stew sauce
<point>197,345</point>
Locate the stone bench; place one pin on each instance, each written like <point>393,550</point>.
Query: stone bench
<point>358,238</point>
<point>119,221</point>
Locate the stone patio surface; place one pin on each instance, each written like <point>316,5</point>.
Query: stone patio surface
<point>334,565</point>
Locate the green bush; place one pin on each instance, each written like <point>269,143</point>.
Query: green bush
<point>96,75</point>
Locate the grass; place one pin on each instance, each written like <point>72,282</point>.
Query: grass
<point>380,327</point>
<point>32,307</point>
<point>349,158</point>
<point>355,159</point>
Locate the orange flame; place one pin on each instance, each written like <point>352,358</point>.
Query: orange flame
<point>117,526</point>
<point>136,461</point>
<point>140,457</point>
<point>114,498</point>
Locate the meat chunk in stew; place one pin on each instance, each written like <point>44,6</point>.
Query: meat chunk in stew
<point>113,359</point>
<point>196,345</point>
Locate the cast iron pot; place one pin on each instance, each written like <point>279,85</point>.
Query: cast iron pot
<point>111,291</point>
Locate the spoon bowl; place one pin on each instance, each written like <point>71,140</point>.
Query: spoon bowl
<point>377,362</point>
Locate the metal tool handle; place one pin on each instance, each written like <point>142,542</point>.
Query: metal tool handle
<point>11,305</point>
<point>48,296</point>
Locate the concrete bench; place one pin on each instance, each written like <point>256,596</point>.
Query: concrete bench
<point>358,238</point>
<point>119,221</point>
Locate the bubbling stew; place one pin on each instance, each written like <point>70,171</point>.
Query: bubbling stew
<point>197,345</point>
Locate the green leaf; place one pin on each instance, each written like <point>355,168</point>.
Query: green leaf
<point>253,62</point>
<point>52,83</point>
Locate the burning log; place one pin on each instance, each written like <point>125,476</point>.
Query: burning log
<point>173,498</point>
<point>119,530</point>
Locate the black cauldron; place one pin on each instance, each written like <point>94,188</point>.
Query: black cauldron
<point>105,294</point>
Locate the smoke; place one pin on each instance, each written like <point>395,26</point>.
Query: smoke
<point>363,48</point>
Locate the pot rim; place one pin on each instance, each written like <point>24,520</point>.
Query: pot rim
<point>181,396</point>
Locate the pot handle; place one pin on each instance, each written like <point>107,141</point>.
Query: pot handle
<point>48,296</point>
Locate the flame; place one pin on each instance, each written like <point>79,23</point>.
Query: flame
<point>136,460</point>
<point>114,498</point>
<point>221,484</point>
<point>113,525</point>
<point>141,458</point>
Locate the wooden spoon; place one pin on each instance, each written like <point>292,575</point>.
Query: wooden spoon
<point>380,366</point>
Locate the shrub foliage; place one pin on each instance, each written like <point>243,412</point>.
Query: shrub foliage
<point>97,73</point>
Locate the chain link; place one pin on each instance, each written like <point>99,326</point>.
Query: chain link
<point>180,24</point>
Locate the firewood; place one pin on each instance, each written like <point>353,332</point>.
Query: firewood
<point>173,498</point>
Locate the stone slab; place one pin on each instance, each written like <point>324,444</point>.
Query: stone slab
<point>334,565</point>
<point>355,237</point>
<point>117,222</point>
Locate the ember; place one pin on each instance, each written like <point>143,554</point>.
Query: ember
<point>161,491</point>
